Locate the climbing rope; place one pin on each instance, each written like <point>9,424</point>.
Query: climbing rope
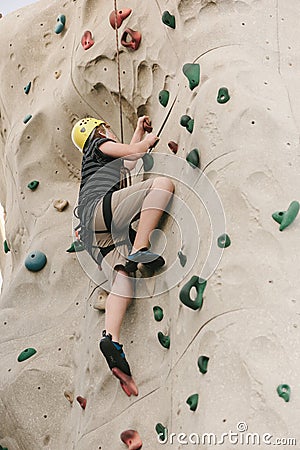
<point>119,72</point>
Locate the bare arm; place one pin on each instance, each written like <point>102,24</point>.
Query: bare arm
<point>131,152</point>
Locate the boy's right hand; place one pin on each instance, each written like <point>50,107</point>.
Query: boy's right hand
<point>151,140</point>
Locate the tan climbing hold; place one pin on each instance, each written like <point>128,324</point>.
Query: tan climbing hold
<point>57,74</point>
<point>69,396</point>
<point>100,301</point>
<point>60,205</point>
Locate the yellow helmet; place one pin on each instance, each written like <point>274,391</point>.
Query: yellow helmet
<point>83,129</point>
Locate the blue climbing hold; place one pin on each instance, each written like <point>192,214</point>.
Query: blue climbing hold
<point>61,21</point>
<point>27,353</point>
<point>27,88</point>
<point>35,261</point>
<point>27,118</point>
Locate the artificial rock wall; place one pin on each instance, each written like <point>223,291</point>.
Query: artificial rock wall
<point>248,325</point>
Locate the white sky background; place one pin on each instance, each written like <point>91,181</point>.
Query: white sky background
<point>7,6</point>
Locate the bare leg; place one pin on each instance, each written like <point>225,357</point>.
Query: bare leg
<point>116,304</point>
<point>152,209</point>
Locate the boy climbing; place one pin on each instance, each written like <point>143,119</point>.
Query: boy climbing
<point>106,208</point>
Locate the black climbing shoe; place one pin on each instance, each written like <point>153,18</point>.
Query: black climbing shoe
<point>149,259</point>
<point>113,353</point>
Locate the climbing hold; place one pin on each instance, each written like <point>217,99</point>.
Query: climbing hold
<point>6,247</point>
<point>192,72</point>
<point>27,88</point>
<point>147,126</point>
<point>2,448</point>
<point>164,340</point>
<point>184,295</point>
<point>33,185</point>
<point>119,16</point>
<point>57,74</point>
<point>76,246</point>
<point>278,216</point>
<point>173,146</point>
<point>168,19</point>
<point>87,40</point>
<point>224,241</point>
<point>27,118</point>
<point>223,95</point>
<point>132,439</point>
<point>69,396</point>
<point>35,261</point>
<point>25,354</point>
<point>134,41</point>
<point>148,162</point>
<point>193,158</point>
<point>100,301</point>
<point>158,313</point>
<point>61,21</point>
<point>182,258</point>
<point>162,432</point>
<point>60,205</point>
<point>290,215</point>
<point>163,97</point>
<point>284,391</point>
<point>184,120</point>
<point>190,125</point>
<point>81,401</point>
<point>202,363</point>
<point>192,401</point>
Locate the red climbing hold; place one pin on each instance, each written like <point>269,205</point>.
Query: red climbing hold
<point>87,40</point>
<point>127,383</point>
<point>132,439</point>
<point>173,146</point>
<point>120,15</point>
<point>81,401</point>
<point>135,40</point>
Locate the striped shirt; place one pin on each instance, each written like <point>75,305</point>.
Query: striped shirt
<point>100,174</point>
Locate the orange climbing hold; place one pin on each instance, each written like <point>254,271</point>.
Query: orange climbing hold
<point>132,439</point>
<point>87,40</point>
<point>119,16</point>
<point>81,401</point>
<point>135,39</point>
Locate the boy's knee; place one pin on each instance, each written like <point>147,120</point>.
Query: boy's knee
<point>163,183</point>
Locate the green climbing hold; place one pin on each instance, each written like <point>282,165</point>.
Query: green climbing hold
<point>224,241</point>
<point>184,120</point>
<point>164,340</point>
<point>148,162</point>
<point>162,432</point>
<point>76,246</point>
<point>3,448</point>
<point>164,97</point>
<point>168,19</point>
<point>6,247</point>
<point>61,21</point>
<point>290,215</point>
<point>27,88</point>
<point>223,95</point>
<point>158,313</point>
<point>278,216</point>
<point>202,363</point>
<point>184,295</point>
<point>190,125</point>
<point>33,185</point>
<point>193,158</point>
<point>27,353</point>
<point>284,391</point>
<point>192,401</point>
<point>27,118</point>
<point>192,72</point>
<point>182,258</point>
<point>35,261</point>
